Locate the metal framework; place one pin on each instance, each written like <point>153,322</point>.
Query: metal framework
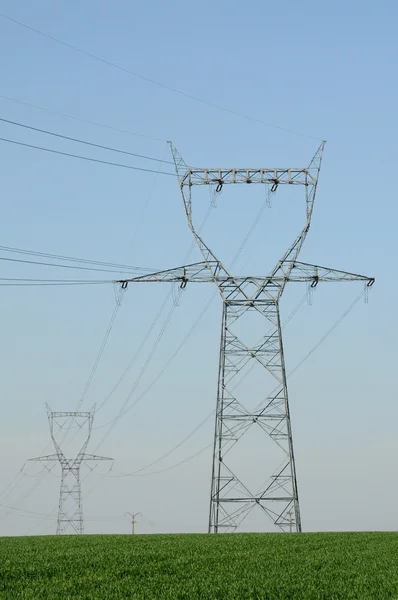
<point>256,298</point>
<point>70,509</point>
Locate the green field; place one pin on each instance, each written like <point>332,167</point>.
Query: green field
<point>299,567</point>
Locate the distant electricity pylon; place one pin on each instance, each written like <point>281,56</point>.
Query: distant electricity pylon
<point>133,518</point>
<point>251,304</point>
<point>70,509</point>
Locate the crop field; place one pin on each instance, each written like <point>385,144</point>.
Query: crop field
<point>328,566</point>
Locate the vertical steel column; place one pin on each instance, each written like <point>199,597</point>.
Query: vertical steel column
<point>289,429</point>
<point>217,448</point>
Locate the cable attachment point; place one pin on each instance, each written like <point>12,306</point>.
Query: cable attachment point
<point>124,285</point>
<point>219,186</point>
<point>368,285</point>
<point>275,183</point>
<point>315,281</point>
<point>183,283</point>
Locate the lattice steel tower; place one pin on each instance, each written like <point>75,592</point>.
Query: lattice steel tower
<point>70,509</point>
<point>252,302</point>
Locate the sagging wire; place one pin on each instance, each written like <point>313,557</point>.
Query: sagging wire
<point>118,298</point>
<point>267,204</point>
<point>178,296</point>
<point>140,376</point>
<point>38,482</point>
<point>170,360</point>
<point>329,331</point>
<point>77,267</point>
<point>176,465</point>
<point>166,454</point>
<point>213,193</point>
<point>268,196</point>
<point>245,240</point>
<point>139,473</point>
<point>186,438</point>
<point>136,354</point>
<point>260,405</point>
<point>19,476</point>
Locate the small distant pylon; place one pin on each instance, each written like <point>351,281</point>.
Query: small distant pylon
<point>70,509</point>
<point>133,517</point>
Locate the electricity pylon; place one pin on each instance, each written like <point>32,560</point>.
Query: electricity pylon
<point>133,517</point>
<point>251,302</point>
<point>70,509</point>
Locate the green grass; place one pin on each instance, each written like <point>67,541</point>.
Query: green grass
<point>330,566</point>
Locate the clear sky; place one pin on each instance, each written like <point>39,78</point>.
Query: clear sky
<point>315,72</point>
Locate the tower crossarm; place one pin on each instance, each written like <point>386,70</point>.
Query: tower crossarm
<point>48,458</point>
<point>197,272</point>
<point>275,177</point>
<point>82,415</point>
<point>95,457</point>
<point>300,271</point>
<point>287,271</point>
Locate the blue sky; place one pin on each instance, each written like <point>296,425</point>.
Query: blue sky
<point>321,72</point>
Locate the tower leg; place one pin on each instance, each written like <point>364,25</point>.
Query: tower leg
<point>70,511</point>
<point>292,462</point>
<point>231,500</point>
<point>217,448</point>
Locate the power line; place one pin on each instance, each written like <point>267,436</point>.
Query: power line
<point>43,473</point>
<point>27,512</point>
<point>162,307</point>
<point>95,366</point>
<point>138,380</point>
<point>306,357</point>
<point>207,306</point>
<point>15,282</point>
<point>151,328</point>
<point>11,486</point>
<point>48,516</point>
<point>154,82</point>
<point>136,354</point>
<point>85,142</point>
<point>96,362</point>
<point>60,266</point>
<point>186,438</point>
<point>166,454</point>
<point>172,357</point>
<point>124,410</point>
<point>102,348</point>
<point>329,331</point>
<point>144,209</point>
<point>139,473</point>
<point>18,478</point>
<point>117,267</point>
<point>80,119</point>
<point>87,158</point>
<point>181,462</point>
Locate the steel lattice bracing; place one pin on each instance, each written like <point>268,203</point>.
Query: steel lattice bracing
<point>70,509</point>
<point>231,499</point>
<point>251,303</point>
